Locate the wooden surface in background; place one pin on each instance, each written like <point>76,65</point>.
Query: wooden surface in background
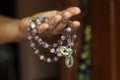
<point>105,21</point>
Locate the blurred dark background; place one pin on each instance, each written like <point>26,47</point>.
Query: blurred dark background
<point>8,56</point>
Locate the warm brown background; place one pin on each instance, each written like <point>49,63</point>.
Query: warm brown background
<point>105,21</point>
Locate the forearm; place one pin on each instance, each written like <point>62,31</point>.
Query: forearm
<point>9,30</point>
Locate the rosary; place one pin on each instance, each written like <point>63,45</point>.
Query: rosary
<point>61,48</point>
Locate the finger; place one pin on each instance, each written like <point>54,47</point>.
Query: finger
<point>66,17</point>
<point>67,14</point>
<point>54,21</point>
<point>75,25</point>
<point>49,14</point>
<point>42,28</point>
<point>60,29</point>
<point>73,10</point>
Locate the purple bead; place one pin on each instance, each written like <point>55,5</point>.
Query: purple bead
<point>55,58</point>
<point>30,37</point>
<point>57,50</point>
<point>45,45</point>
<point>74,36</point>
<point>68,29</point>
<point>28,29</point>
<point>55,45</point>
<point>37,51</point>
<point>48,60</point>
<point>52,50</point>
<point>42,57</point>
<point>32,44</point>
<point>63,37</point>
<point>36,37</point>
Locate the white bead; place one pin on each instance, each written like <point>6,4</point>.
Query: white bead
<point>48,60</point>
<point>39,21</point>
<point>59,54</point>
<point>52,50</point>
<point>42,57</point>
<point>33,25</point>
<point>36,37</point>
<point>63,37</point>
<point>32,44</point>
<point>37,51</point>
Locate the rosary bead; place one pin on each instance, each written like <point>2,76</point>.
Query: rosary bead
<point>57,50</point>
<point>68,29</point>
<point>48,60</point>
<point>28,29</point>
<point>46,19</point>
<point>45,45</point>
<point>33,19</point>
<point>40,41</point>
<point>32,44</point>
<point>33,25</point>
<point>63,37</point>
<point>52,50</point>
<point>30,37</point>
<point>72,43</point>
<point>34,30</point>
<point>39,21</point>
<point>59,54</point>
<point>37,51</point>
<point>55,45</point>
<point>36,37</point>
<point>55,59</point>
<point>42,57</point>
<point>74,36</point>
<point>69,40</point>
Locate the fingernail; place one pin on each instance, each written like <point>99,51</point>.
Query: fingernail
<point>57,19</point>
<point>67,15</point>
<point>45,27</point>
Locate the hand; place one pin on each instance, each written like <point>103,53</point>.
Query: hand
<point>56,24</point>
